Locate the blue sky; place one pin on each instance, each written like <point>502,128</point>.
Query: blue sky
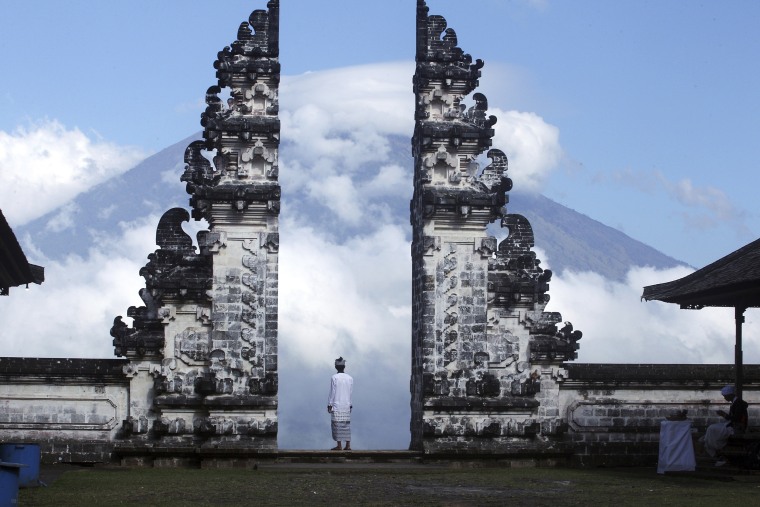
<point>640,114</point>
<point>655,102</point>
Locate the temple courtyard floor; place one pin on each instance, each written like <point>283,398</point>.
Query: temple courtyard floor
<point>386,484</point>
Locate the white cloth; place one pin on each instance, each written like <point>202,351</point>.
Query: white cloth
<point>341,390</point>
<point>676,447</point>
<point>341,426</point>
<point>716,437</point>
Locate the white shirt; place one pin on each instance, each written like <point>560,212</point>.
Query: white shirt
<point>341,389</point>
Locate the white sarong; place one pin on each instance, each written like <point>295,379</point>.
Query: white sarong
<point>341,426</point>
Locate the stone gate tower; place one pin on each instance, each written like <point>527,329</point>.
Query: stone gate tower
<point>203,349</point>
<point>485,354</point>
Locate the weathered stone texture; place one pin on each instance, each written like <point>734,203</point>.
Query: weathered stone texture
<point>481,337</point>
<point>614,411</point>
<point>72,407</point>
<point>207,336</point>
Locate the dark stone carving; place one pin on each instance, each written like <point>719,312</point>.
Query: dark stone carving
<point>527,386</point>
<point>250,63</point>
<point>489,385</point>
<point>133,426</point>
<point>477,113</point>
<point>481,359</point>
<point>161,427</point>
<point>173,270</point>
<point>515,276</point>
<point>563,346</point>
<point>224,385</point>
<point>428,384</point>
<point>198,170</point>
<point>205,384</point>
<point>494,178</point>
<point>63,370</point>
<point>438,56</point>
<point>477,403</point>
<point>567,334</point>
<point>492,430</point>
<point>173,385</point>
<point>203,427</point>
<point>146,338</point>
<point>267,386</point>
<point>486,385</point>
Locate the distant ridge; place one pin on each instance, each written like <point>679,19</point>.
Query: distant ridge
<point>133,194</point>
<point>571,240</point>
<point>577,242</point>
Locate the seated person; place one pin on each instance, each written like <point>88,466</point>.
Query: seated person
<point>735,422</point>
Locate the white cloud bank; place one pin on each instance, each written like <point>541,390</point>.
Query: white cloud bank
<point>71,313</point>
<point>620,328</point>
<point>45,165</point>
<point>532,147</point>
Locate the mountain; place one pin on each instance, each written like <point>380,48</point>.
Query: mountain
<point>576,242</point>
<point>571,240</point>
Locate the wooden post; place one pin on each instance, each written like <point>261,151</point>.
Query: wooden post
<point>738,359</point>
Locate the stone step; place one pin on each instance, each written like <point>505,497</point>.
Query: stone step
<point>194,456</point>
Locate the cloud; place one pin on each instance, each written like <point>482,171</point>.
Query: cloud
<point>349,298</point>
<point>351,98</point>
<point>45,165</point>
<point>620,328</point>
<point>342,128</point>
<point>708,198</point>
<point>64,218</point>
<point>532,147</point>
<point>71,313</point>
<point>703,207</point>
<point>344,296</point>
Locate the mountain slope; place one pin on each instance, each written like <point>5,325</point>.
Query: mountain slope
<point>570,239</point>
<point>579,243</point>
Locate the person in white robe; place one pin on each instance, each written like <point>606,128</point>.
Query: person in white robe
<point>339,405</point>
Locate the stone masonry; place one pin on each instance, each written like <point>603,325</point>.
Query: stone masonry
<point>203,349</point>
<point>485,354</point>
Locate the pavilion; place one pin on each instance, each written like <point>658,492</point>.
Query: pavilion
<point>732,281</point>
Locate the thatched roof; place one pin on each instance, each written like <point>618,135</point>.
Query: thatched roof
<point>15,270</point>
<point>732,281</point>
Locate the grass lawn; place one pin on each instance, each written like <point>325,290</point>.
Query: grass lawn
<point>416,485</point>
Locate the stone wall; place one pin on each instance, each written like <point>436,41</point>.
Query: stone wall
<point>606,414</point>
<point>73,408</point>
<point>613,411</point>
